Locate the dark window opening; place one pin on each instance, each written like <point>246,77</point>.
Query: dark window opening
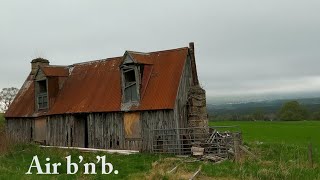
<point>71,137</point>
<point>111,143</point>
<point>31,130</point>
<point>129,77</point>
<point>42,86</point>
<point>86,140</point>
<point>130,86</point>
<point>81,132</point>
<point>42,97</point>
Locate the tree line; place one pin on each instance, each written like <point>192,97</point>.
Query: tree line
<point>289,111</point>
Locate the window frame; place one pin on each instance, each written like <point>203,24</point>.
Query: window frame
<point>124,69</point>
<point>42,100</point>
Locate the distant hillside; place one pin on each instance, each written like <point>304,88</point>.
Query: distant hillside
<point>271,106</point>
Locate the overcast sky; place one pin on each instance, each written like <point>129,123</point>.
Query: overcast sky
<point>242,47</point>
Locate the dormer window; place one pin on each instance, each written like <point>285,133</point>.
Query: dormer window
<point>42,95</point>
<point>130,85</point>
<point>41,90</point>
<point>130,80</point>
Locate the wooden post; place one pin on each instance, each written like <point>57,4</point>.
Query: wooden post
<point>310,155</point>
<point>236,144</point>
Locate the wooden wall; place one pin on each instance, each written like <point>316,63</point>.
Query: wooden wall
<point>106,130</point>
<point>20,129</point>
<point>181,109</point>
<point>66,130</point>
<point>150,120</point>
<point>103,130</point>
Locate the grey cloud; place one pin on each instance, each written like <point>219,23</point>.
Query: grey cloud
<point>242,46</point>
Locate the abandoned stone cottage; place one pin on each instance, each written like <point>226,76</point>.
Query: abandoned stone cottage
<point>113,103</point>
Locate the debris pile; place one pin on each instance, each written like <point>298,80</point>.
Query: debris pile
<point>218,147</point>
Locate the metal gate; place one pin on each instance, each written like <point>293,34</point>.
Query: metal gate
<point>216,140</point>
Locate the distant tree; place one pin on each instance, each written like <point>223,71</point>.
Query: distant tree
<point>258,114</point>
<point>6,97</point>
<point>292,111</point>
<point>315,115</point>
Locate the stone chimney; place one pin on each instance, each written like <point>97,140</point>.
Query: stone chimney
<point>193,64</point>
<point>35,63</point>
<point>197,108</point>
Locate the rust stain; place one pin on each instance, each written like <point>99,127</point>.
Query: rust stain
<point>96,86</point>
<point>132,125</point>
<point>55,70</point>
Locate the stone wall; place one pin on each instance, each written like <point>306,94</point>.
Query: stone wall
<point>197,109</point>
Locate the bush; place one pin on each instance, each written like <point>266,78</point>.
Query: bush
<point>292,111</point>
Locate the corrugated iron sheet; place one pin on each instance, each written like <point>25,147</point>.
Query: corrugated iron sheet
<point>61,71</point>
<point>141,58</point>
<point>96,87</point>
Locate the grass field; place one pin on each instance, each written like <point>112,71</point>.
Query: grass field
<point>280,157</point>
<point>292,133</point>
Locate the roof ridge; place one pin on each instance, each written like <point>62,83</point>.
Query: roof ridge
<point>140,53</point>
<point>55,66</point>
<point>97,60</point>
<point>129,51</point>
<point>176,49</point>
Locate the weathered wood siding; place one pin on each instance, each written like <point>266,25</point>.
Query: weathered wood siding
<point>39,130</point>
<point>20,129</point>
<point>151,120</point>
<point>181,109</point>
<point>103,130</point>
<point>64,130</point>
<point>106,130</point>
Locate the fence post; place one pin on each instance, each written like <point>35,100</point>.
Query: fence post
<point>236,143</point>
<point>310,155</point>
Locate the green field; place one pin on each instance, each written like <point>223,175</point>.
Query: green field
<point>281,148</point>
<point>293,132</point>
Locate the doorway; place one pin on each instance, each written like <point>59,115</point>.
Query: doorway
<point>80,138</point>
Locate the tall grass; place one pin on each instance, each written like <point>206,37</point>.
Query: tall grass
<point>4,141</point>
<point>14,164</point>
<point>1,121</point>
<point>280,148</point>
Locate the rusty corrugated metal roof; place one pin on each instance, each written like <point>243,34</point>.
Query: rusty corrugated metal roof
<point>141,58</point>
<point>23,104</point>
<point>61,71</point>
<point>96,86</point>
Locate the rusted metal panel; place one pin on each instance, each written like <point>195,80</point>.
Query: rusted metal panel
<point>147,70</point>
<point>162,87</point>
<point>132,125</point>
<point>141,58</point>
<point>23,104</point>
<point>57,71</point>
<point>40,130</point>
<point>96,86</point>
<point>53,89</point>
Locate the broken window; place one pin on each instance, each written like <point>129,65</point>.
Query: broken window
<point>42,97</point>
<point>130,85</point>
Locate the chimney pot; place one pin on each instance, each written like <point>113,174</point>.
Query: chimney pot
<point>35,63</point>
<point>191,46</point>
